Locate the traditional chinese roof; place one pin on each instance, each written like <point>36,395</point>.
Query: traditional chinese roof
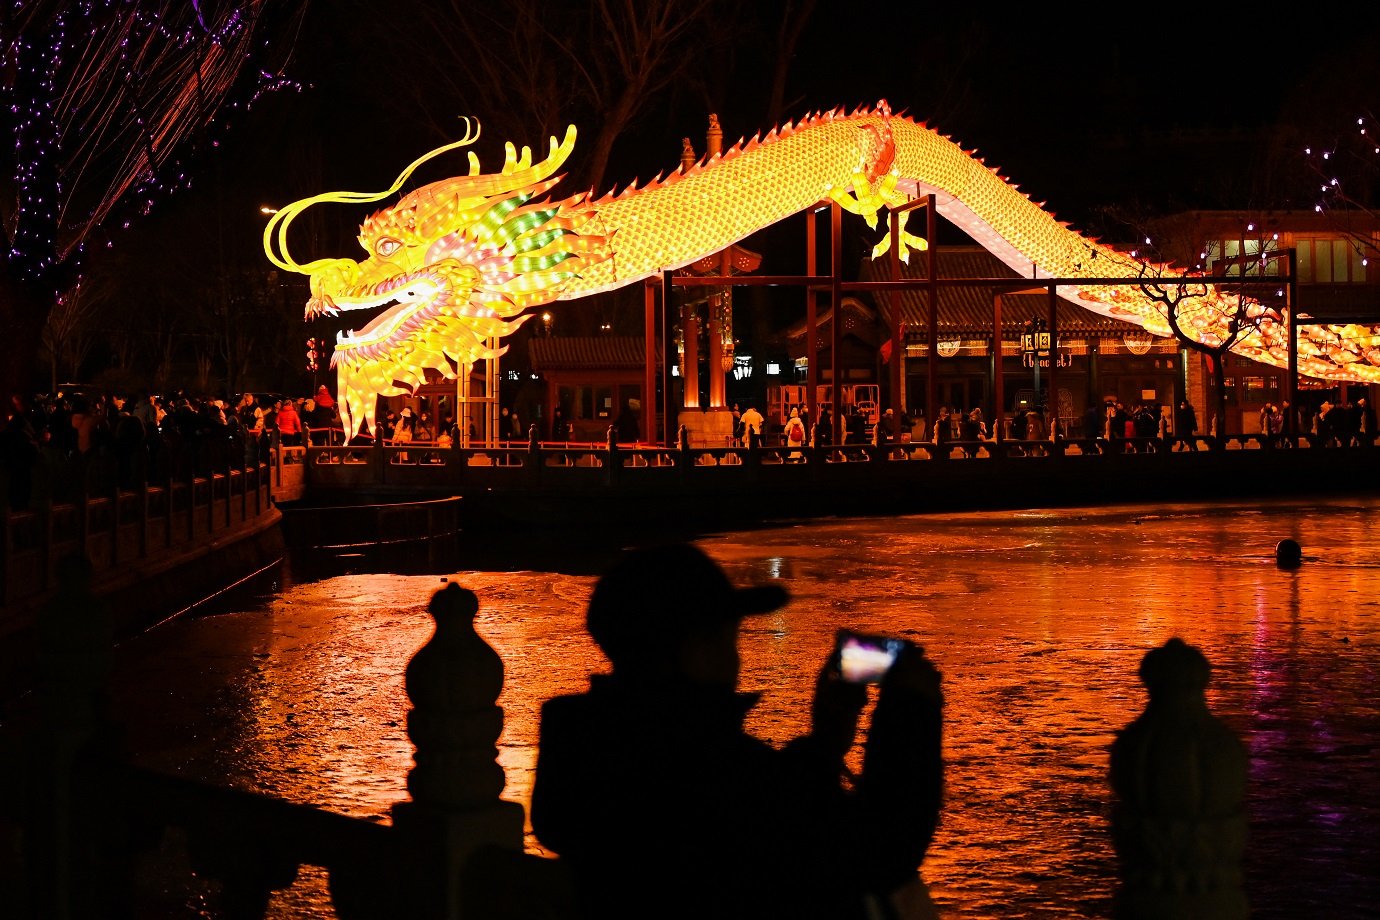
<point>742,261</point>
<point>859,321</point>
<point>605,352</point>
<point>966,311</point>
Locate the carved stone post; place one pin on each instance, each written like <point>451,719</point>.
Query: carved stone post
<point>453,682</point>
<point>1179,777</point>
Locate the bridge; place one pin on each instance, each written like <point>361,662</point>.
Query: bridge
<point>542,484</point>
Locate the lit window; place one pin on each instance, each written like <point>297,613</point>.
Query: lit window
<point>773,369</point>
<point>1228,257</point>
<point>1330,261</point>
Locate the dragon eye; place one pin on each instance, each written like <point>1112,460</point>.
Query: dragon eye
<point>387,246</point>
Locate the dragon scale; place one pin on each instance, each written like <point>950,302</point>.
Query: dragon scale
<point>462,262</point>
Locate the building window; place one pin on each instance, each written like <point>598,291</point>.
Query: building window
<point>1330,261</point>
<point>1230,257</point>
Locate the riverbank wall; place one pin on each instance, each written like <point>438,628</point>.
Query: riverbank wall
<point>152,551</point>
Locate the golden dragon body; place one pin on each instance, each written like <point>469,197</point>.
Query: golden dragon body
<point>458,264</point>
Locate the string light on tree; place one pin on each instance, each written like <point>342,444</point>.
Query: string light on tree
<point>109,101</point>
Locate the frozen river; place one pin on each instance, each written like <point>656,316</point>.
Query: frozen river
<point>1037,619</point>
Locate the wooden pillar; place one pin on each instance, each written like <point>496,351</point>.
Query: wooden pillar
<point>553,402</point>
<point>898,380</point>
<point>1292,390</point>
<point>998,382</point>
<point>668,357</point>
<point>836,299</point>
<point>649,413</point>
<point>932,307</point>
<point>719,312</point>
<point>812,322</point>
<point>690,336</point>
<point>1053,357</point>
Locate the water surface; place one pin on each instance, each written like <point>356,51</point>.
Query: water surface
<point>1037,620</point>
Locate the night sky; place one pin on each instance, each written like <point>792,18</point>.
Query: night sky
<point>1079,110</point>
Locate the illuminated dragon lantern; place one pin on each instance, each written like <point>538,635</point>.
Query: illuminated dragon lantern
<point>458,264</point>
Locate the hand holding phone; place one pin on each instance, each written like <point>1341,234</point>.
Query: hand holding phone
<point>866,659</point>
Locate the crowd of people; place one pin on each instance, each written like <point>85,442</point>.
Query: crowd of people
<point>143,436</point>
<point>96,440</point>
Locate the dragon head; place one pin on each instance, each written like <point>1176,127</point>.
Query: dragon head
<point>449,270</point>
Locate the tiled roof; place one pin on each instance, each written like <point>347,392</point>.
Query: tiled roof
<point>967,310</point>
<point>604,352</point>
<point>742,261</point>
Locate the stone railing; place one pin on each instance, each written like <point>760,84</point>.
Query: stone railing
<point>122,529</point>
<point>619,485</point>
<point>455,849</point>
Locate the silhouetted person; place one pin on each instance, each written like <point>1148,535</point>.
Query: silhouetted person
<point>662,806</point>
<point>1186,424</point>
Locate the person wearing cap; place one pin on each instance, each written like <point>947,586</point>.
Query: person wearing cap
<point>660,804</point>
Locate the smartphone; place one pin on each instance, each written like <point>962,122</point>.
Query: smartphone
<point>865,659</point>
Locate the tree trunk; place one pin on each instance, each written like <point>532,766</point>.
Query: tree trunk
<point>23,314</point>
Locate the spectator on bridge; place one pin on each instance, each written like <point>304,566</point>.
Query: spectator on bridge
<point>404,431</point>
<point>824,430</point>
<point>1365,422</point>
<point>1145,420</point>
<point>887,428</point>
<point>752,425</point>
<point>855,427</point>
<point>743,829</point>
<point>1118,424</point>
<point>1094,421</point>
<point>270,433</point>
<point>1325,424</point>
<point>250,415</point>
<point>1035,429</point>
<point>974,430</point>
<point>388,423</point>
<point>322,419</point>
<point>1186,424</point>
<point>421,429</point>
<point>560,424</point>
<point>88,421</point>
<point>626,425</point>
<point>145,411</point>
<point>289,424</point>
<point>795,436</point>
<point>1348,424</point>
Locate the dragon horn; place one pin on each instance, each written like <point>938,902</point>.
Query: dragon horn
<point>275,234</point>
<point>514,176</point>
